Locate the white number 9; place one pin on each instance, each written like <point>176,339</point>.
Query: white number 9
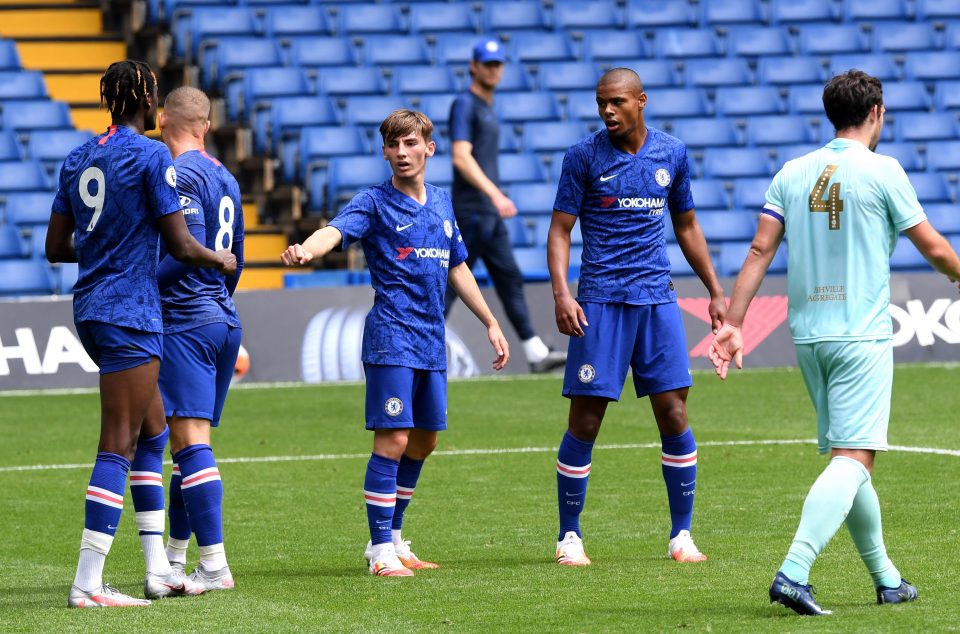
<point>95,201</point>
<point>226,214</point>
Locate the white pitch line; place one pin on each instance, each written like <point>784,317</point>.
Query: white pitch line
<point>493,452</point>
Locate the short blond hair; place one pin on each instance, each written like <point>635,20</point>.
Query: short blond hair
<point>402,122</point>
<point>187,107</point>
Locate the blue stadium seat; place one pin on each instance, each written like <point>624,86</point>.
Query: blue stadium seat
<point>454,48</point>
<point>931,188</point>
<point>542,47</point>
<point>874,10</point>
<point>652,14</point>
<point>789,152</point>
<point>509,141</point>
<point>520,168</point>
<point>532,262</point>
<point>905,257</point>
<point>348,174</point>
<point>792,11</point>
<point>22,84</point>
<point>937,9</point>
<point>439,172</point>
<point>65,277</point>
<point>212,25</point>
<point>733,254</point>
<point>395,50</point>
<point>9,58</point>
<point>789,71</point>
<point>679,267</point>
<point>34,114</point>
<point>418,80</point>
<point>285,21</point>
<point>751,100</point>
<point>261,84</point>
<point>806,99</point>
<point>905,153</point>
<point>287,116</point>
<point>904,36</point>
<point>513,16</point>
<point>709,194</point>
<point>818,39</point>
<point>609,45</point>
<point>523,231</point>
<point>752,41</point>
<point>728,225</point>
<point>533,198</point>
<point>37,241</point>
<point>718,72</point>
<point>565,76</point>
<point>947,95</point>
<point>237,56</point>
<point>527,106</point>
<point>943,156</point>
<point>515,79</point>
<point>944,218</point>
<point>676,102</point>
<point>953,37</point>
<point>926,126</point>
<point>319,144</point>
<point>365,80</point>
<point>586,14</point>
<point>53,146</point>
<point>780,130</point>
<point>906,95</point>
<point>733,12</point>
<point>551,136</point>
<point>370,110</point>
<point>10,149</point>
<point>25,209</point>
<point>315,52</point>
<point>750,193</point>
<point>434,17</point>
<point>706,132</point>
<point>24,277</point>
<point>541,231</point>
<point>11,246</point>
<point>23,176</point>
<point>437,108</point>
<point>687,43</point>
<point>653,73</point>
<point>736,162</point>
<point>932,65</point>
<point>582,105</point>
<point>876,64</point>
<point>370,18</point>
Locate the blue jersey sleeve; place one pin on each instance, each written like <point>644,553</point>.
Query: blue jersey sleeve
<point>680,198</point>
<point>355,221</point>
<point>160,178</point>
<point>572,186</point>
<point>460,111</point>
<point>61,202</point>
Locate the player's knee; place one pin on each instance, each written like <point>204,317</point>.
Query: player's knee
<point>585,428</point>
<point>672,418</point>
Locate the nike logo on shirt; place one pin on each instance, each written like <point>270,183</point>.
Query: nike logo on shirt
<point>404,227</point>
<point>604,179</point>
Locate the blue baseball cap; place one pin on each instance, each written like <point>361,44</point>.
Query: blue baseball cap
<point>488,51</point>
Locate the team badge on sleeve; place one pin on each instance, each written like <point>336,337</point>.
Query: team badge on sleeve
<point>171,176</point>
<point>663,177</point>
<point>393,406</point>
<point>586,373</point>
<point>447,229</point>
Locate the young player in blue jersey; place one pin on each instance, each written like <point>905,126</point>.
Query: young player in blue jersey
<point>620,182</point>
<point>201,339</point>
<point>841,209</point>
<point>117,195</point>
<point>413,248</point>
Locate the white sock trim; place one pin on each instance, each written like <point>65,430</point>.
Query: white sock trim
<point>151,521</point>
<point>98,542</point>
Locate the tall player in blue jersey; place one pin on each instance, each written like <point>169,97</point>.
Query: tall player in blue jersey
<point>841,208</point>
<point>117,195</point>
<point>201,339</point>
<point>619,182</point>
<point>414,249</point>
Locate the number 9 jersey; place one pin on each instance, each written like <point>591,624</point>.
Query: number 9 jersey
<point>114,187</point>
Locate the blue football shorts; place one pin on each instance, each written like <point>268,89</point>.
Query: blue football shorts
<point>197,369</point>
<point>649,339</point>
<point>402,398</point>
<point>850,384</point>
<point>116,348</point>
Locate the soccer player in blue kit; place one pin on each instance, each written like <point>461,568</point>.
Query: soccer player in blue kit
<point>619,182</point>
<point>201,338</point>
<point>117,194</point>
<point>841,208</point>
<point>414,249</point>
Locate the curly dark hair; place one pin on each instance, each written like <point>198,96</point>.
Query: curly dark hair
<point>849,97</point>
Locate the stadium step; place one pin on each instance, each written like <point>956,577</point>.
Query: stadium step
<point>63,21</point>
<point>264,247</point>
<point>81,55</point>
<point>74,87</point>
<point>90,117</point>
<point>265,278</point>
<point>251,215</point>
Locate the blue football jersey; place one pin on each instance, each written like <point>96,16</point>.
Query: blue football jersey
<point>409,248</point>
<point>210,196</point>
<point>619,199</point>
<point>115,186</point>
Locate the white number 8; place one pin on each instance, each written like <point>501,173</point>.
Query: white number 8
<point>96,200</point>
<point>226,214</point>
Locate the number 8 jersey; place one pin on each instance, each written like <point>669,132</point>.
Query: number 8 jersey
<point>210,197</point>
<point>115,186</point>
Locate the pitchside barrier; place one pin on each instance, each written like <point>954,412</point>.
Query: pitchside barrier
<point>314,335</point>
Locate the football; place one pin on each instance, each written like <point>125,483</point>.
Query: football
<point>242,366</point>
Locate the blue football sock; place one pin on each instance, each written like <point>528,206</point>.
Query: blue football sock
<point>105,500</point>
<point>146,489</point>
<point>678,460</point>
<point>380,495</point>
<point>202,492</point>
<point>866,529</point>
<point>407,475</point>
<point>573,471</point>
<point>179,524</point>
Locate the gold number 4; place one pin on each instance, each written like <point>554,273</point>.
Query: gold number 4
<point>832,204</point>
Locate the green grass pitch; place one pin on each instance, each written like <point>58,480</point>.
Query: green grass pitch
<point>295,528</point>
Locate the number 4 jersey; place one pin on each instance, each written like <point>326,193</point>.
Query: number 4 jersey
<point>210,197</point>
<point>842,207</point>
<point>114,187</point>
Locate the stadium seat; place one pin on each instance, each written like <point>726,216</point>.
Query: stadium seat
<point>348,174</point>
<point>751,100</point>
<point>285,21</point>
<point>901,37</point>
<point>819,39</point>
<point>418,80</point>
<point>906,95</point>
<point>932,65</point>
<point>10,149</point>
<point>653,73</point>
<point>237,56</point>
<point>65,277</point>
<point>931,188</point>
<point>533,198</point>
<point>365,80</point>
<point>357,19</point>
<point>262,84</point>
<point>319,144</point>
<point>736,162</point>
<point>434,17</point>
<point>542,47</point>
<point>532,262</point>
<point>706,132</point>
<point>926,126</point>
<point>527,106</point>
<point>789,152</point>
<point>37,242</point>
<point>565,76</point>
<point>944,218</point>
<point>22,84</point>
<point>454,48</point>
<point>34,114</point>
<point>937,9</point>
<point>806,99</point>
<point>752,41</point>
<point>675,102</point>
<point>878,65</point>
<point>23,176</point>
<point>24,277</point>
<point>9,58</point>
<point>792,11</point>
<point>53,146</point>
<point>679,267</point>
<point>905,153</point>
<point>439,172</point>
<point>943,156</point>
<point>609,45</point>
<point>779,130</point>
<point>513,16</point>
<point>287,116</point>
<point>586,14</point>
<point>394,50</point>
<point>750,193</point>
<point>947,95</point>
<point>953,37</point>
<point>728,225</point>
<point>207,25</point>
<point>733,254</point>
<point>906,257</point>
<point>520,168</point>
<point>11,246</point>
<point>509,141</point>
<point>653,14</point>
<point>370,110</point>
<point>315,52</point>
<point>437,108</point>
<point>718,72</point>
<point>789,71</point>
<point>551,136</point>
<point>717,12</point>
<point>874,10</point>
<point>25,209</point>
<point>673,43</point>
<point>524,230</point>
<point>515,79</point>
<point>709,194</point>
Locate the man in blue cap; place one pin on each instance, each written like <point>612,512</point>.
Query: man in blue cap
<point>479,203</point>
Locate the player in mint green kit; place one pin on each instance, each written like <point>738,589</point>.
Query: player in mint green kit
<point>841,209</point>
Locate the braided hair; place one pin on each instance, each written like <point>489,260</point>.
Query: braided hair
<point>124,86</point>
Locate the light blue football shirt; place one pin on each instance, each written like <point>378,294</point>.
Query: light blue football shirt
<point>842,207</point>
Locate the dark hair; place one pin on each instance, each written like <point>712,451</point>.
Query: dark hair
<point>848,98</point>
<point>124,86</point>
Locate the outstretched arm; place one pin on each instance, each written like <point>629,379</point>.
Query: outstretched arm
<point>322,242</point>
<point>463,282</point>
<point>694,246</point>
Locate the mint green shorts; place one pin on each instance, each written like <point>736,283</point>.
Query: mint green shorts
<point>850,383</point>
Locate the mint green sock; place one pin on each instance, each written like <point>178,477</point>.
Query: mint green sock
<point>866,529</point>
<point>824,510</point>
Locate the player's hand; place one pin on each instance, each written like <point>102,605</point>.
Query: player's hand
<point>295,255</point>
<point>570,318</point>
<point>228,261</point>
<point>500,346</point>
<point>726,346</point>
<point>505,206</point>
<point>718,311</point>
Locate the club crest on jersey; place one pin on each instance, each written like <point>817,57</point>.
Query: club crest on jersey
<point>447,229</point>
<point>663,177</point>
<point>393,406</point>
<point>586,373</point>
<point>171,176</point>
